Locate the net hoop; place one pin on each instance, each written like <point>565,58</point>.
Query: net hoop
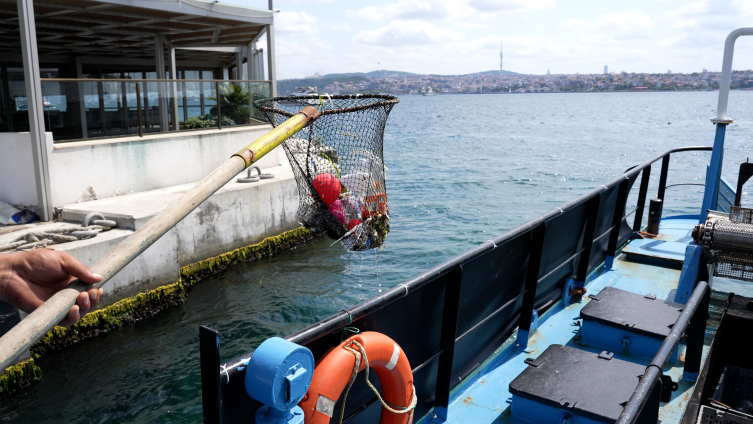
<point>338,163</point>
<point>386,100</point>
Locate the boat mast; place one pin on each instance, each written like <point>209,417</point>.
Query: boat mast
<point>714,174</point>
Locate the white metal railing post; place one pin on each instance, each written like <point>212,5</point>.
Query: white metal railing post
<point>174,85</point>
<point>159,53</point>
<point>82,99</point>
<point>271,64</point>
<point>249,70</point>
<point>35,107</point>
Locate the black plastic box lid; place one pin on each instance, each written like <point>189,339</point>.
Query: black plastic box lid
<point>587,384</point>
<point>637,313</point>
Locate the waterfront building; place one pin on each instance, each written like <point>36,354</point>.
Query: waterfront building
<point>606,69</point>
<point>73,73</point>
<point>99,98</point>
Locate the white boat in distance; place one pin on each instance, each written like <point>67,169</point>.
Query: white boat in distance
<point>429,92</point>
<point>305,91</point>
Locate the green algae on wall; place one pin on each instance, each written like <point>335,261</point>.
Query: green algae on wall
<point>145,305</point>
<point>18,377</point>
<point>267,247</point>
<point>126,311</point>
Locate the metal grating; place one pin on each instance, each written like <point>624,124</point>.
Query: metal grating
<point>731,247</point>
<point>740,271</point>
<point>710,415</point>
<point>741,215</point>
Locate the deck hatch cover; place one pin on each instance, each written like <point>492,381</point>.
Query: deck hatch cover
<point>583,384</point>
<point>633,312</point>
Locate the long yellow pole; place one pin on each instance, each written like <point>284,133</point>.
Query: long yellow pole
<point>42,320</point>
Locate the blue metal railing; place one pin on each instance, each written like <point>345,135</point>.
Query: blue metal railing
<point>486,292</point>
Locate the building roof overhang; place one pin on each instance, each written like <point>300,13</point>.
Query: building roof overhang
<point>127,28</point>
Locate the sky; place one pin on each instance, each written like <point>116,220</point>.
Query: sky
<point>452,37</point>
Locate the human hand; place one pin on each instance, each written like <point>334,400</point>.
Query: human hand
<point>28,279</point>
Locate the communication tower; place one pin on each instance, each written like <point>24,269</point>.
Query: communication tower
<point>500,55</point>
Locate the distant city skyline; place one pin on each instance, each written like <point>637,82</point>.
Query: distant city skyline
<point>496,82</point>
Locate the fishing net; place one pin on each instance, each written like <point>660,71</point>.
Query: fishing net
<point>338,164</point>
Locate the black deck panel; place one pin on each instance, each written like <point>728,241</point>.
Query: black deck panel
<point>634,312</point>
<point>583,383</point>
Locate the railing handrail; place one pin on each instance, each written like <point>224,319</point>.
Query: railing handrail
<point>642,393</point>
<point>344,318</point>
<point>142,80</point>
<point>424,278</point>
<point>449,275</point>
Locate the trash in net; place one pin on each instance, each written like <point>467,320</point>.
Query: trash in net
<point>338,162</point>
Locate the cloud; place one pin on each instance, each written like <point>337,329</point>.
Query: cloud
<point>339,26</point>
<point>572,25</point>
<point>625,21</point>
<point>462,36</point>
<point>705,24</point>
<point>401,33</point>
<point>406,10</point>
<point>295,23</point>
<point>510,5</point>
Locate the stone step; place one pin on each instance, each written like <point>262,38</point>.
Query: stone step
<point>132,211</point>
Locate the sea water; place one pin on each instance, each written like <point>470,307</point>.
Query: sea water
<point>462,169</point>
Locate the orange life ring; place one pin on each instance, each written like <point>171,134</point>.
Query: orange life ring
<point>334,370</point>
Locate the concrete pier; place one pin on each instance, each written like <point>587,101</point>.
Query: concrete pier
<point>239,214</point>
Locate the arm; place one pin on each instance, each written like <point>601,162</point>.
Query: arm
<point>27,279</point>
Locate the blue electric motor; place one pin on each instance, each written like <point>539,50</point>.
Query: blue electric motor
<point>279,374</point>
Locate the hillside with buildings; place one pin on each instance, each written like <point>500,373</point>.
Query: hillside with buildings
<point>395,82</point>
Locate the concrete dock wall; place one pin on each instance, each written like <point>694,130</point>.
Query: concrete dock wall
<point>158,170</point>
<point>237,215</point>
<point>124,164</point>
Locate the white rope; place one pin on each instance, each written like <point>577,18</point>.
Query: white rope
<point>351,231</point>
<point>493,244</point>
<point>386,406</point>
<point>223,371</point>
<point>41,239</point>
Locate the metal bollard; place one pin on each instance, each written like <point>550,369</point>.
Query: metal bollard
<point>654,216</point>
<point>278,375</point>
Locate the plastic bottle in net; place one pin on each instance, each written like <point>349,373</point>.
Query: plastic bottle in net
<point>338,162</point>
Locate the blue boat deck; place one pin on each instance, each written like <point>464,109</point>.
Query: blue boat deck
<point>648,266</point>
